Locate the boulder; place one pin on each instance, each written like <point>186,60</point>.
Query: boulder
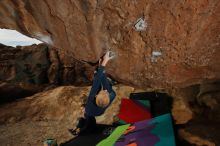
<point>26,70</point>
<point>158,44</point>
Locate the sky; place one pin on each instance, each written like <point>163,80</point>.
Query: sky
<point>13,38</point>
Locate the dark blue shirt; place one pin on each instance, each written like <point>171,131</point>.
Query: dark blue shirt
<point>100,82</point>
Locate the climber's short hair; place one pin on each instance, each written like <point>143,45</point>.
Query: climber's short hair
<point>102,99</point>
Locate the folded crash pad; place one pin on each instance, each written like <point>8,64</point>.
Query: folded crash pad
<point>154,132</point>
<point>133,111</point>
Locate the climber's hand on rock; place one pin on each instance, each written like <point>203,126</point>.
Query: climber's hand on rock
<point>108,56</point>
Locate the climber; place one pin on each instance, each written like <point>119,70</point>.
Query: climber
<point>100,97</point>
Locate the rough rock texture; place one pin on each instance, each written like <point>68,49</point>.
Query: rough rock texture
<point>205,124</point>
<point>24,64</point>
<point>185,33</point>
<point>196,111</point>
<point>49,114</point>
<point>194,139</point>
<point>40,64</point>
<point>11,91</point>
<point>179,48</point>
<point>61,103</point>
<point>181,110</point>
<point>24,69</point>
<point>183,99</point>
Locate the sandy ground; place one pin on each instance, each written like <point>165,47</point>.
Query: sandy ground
<point>29,133</point>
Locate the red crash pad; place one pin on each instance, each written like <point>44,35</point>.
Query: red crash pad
<point>133,111</point>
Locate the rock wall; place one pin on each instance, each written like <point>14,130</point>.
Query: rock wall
<point>195,110</point>
<point>158,44</point>
<point>23,71</point>
<point>40,64</point>
<point>178,44</point>
<point>28,70</point>
<point>24,64</point>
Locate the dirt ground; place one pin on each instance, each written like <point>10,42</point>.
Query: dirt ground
<point>29,133</point>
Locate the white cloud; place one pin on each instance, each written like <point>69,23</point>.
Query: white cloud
<point>14,38</point>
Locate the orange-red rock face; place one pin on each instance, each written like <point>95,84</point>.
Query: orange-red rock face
<point>179,46</point>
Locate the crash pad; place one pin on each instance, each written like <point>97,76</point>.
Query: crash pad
<point>91,139</point>
<point>133,111</point>
<point>114,136</point>
<point>154,132</point>
<point>160,103</point>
